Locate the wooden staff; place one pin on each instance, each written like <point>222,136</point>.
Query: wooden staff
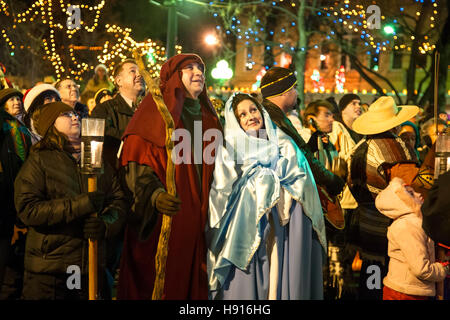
<point>163,242</point>
<point>93,250</point>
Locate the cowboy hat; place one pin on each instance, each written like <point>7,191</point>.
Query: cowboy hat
<point>383,115</point>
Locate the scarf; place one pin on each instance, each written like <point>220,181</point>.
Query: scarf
<point>20,137</point>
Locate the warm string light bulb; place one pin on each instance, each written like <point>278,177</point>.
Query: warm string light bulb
<point>44,10</point>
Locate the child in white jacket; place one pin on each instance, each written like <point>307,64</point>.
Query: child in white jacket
<point>413,272</point>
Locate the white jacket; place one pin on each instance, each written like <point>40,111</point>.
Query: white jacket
<point>412,266</point>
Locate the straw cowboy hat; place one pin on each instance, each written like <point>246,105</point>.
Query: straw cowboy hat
<point>383,115</point>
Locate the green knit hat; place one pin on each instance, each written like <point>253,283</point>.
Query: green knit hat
<point>48,115</point>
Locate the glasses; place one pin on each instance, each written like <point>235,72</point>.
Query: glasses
<point>69,114</point>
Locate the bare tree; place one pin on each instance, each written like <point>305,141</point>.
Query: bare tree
<point>336,23</point>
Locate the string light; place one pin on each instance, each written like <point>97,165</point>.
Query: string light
<point>349,17</point>
<point>121,49</point>
<point>345,15</point>
<point>352,18</point>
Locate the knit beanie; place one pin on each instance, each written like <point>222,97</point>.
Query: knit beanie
<point>48,115</point>
<point>346,99</point>
<point>7,93</point>
<point>101,65</point>
<point>277,81</point>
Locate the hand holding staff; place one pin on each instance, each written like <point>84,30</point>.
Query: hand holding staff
<point>163,243</point>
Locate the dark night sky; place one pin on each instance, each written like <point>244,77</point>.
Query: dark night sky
<point>150,21</point>
<point>145,19</point>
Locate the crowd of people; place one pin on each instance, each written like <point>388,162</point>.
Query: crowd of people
<point>270,204</point>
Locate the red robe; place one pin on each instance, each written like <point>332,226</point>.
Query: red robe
<point>185,274</point>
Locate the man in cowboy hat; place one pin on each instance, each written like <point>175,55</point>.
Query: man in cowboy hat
<point>380,156</point>
<point>279,91</point>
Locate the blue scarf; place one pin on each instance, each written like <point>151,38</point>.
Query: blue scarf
<point>251,176</point>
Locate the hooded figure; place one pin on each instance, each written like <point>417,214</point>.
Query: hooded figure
<point>144,157</point>
<point>266,231</point>
<point>412,267</point>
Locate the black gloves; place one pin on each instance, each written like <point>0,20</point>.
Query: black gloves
<point>97,198</point>
<point>94,228</point>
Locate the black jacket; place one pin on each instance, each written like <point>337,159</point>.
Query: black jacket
<point>82,110</point>
<point>51,199</point>
<point>323,177</point>
<point>117,113</point>
<point>436,210</point>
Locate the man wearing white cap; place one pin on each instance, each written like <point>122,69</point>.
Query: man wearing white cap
<point>380,156</point>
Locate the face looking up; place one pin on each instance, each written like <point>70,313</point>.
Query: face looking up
<point>193,79</point>
<point>14,106</point>
<point>69,124</point>
<point>130,80</point>
<point>352,110</point>
<point>69,92</point>
<point>51,97</point>
<point>249,116</point>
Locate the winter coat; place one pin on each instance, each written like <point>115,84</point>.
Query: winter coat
<point>117,113</point>
<point>435,209</point>
<point>412,266</point>
<point>82,110</point>
<point>51,199</point>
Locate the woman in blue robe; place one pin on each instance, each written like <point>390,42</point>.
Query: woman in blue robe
<point>266,232</point>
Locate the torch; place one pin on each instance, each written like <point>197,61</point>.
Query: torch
<point>92,133</point>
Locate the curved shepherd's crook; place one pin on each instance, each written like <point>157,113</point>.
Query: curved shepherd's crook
<point>163,243</point>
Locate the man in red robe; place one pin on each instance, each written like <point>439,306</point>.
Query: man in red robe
<point>144,160</point>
